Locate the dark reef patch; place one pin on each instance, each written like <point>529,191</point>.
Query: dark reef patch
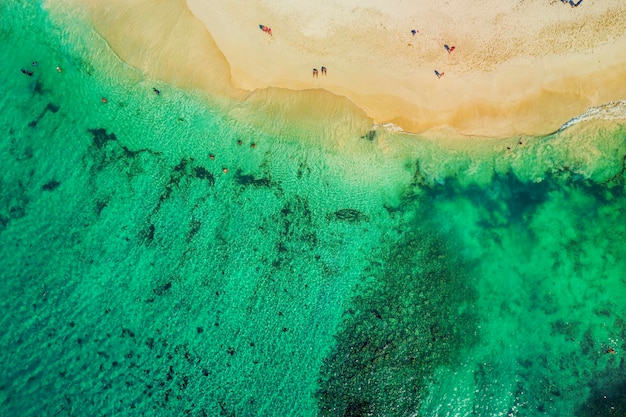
<point>247,180</point>
<point>106,149</point>
<point>101,137</point>
<point>203,174</point>
<point>370,135</point>
<point>397,332</point>
<point>194,228</point>
<point>163,288</point>
<point>39,88</point>
<point>147,234</point>
<point>185,169</point>
<point>298,223</point>
<point>50,185</point>
<point>608,394</point>
<point>507,200</point>
<point>13,202</point>
<point>100,205</point>
<point>350,215</point>
<point>297,232</point>
<point>52,108</point>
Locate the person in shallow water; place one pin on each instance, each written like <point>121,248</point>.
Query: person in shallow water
<point>157,92</point>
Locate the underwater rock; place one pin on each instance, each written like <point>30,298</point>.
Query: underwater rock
<point>101,137</point>
<point>350,215</point>
<point>50,185</point>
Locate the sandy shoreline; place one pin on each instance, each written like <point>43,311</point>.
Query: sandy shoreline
<point>518,67</point>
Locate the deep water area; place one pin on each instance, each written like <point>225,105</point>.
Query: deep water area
<point>161,256</point>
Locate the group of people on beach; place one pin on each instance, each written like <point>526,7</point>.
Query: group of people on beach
<point>414,32</point>
<point>268,30</point>
<point>324,70</point>
<point>447,47</point>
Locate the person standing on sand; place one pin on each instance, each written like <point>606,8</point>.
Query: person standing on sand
<point>314,72</point>
<point>438,74</point>
<point>323,70</point>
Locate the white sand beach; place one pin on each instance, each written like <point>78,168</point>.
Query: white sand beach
<point>518,67</point>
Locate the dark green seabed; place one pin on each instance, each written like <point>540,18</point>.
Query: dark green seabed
<point>430,280</point>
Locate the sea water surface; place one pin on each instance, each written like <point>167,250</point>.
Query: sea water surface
<point>388,276</point>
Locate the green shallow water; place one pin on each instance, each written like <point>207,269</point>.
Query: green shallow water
<point>389,276</point>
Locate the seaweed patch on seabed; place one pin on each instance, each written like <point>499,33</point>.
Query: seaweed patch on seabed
<point>350,215</point>
<point>182,176</point>
<point>184,170</point>
<point>607,395</point>
<point>194,227</point>
<point>101,137</point>
<point>413,320</point>
<point>50,185</point>
<point>52,108</point>
<point>297,237</point>
<point>13,202</point>
<point>146,235</point>
<point>370,135</point>
<point>247,179</point>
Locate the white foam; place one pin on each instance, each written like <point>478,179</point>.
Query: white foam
<point>388,127</point>
<point>614,110</point>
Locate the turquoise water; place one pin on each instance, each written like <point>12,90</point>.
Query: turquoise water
<point>388,276</point>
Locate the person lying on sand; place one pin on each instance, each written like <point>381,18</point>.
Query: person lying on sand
<point>266,29</point>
